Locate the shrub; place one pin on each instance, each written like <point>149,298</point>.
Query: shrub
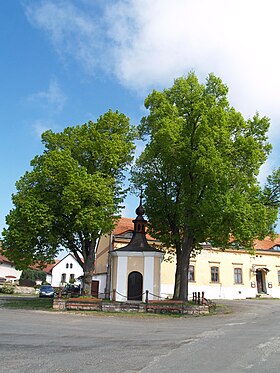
<point>26,282</point>
<point>32,274</point>
<point>8,288</point>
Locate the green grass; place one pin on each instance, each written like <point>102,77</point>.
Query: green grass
<point>30,304</point>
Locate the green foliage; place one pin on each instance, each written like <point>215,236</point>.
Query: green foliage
<point>271,193</point>
<point>199,170</point>
<point>73,193</point>
<point>32,274</point>
<point>8,288</point>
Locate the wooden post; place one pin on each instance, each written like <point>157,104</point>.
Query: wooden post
<point>202,299</point>
<point>198,297</point>
<point>147,296</point>
<point>114,295</point>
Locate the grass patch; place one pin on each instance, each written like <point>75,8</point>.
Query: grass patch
<point>30,304</point>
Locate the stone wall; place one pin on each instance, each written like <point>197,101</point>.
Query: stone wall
<point>24,290</point>
<point>99,305</point>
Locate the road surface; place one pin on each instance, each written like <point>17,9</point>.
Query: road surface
<point>246,339</point>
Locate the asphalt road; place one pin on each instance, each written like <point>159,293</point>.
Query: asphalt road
<point>247,339</point>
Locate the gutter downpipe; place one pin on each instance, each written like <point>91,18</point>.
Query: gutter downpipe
<point>109,268</point>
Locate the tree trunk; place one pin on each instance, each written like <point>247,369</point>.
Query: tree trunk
<point>87,282</point>
<point>177,282</point>
<point>187,246</point>
<point>89,269</point>
<point>177,274</point>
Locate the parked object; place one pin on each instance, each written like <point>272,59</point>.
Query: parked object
<point>71,289</point>
<point>46,291</point>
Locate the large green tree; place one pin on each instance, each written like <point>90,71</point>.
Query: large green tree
<point>271,193</point>
<point>72,195</point>
<point>199,171</point>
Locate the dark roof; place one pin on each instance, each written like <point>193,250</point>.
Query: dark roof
<point>138,242</point>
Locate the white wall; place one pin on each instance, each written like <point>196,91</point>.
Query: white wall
<point>121,287</point>
<point>7,269</point>
<point>102,284</point>
<point>49,278</point>
<point>148,280</point>
<point>61,268</point>
<point>217,292</point>
<point>223,292</point>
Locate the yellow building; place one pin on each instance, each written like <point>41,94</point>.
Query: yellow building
<point>230,274</point>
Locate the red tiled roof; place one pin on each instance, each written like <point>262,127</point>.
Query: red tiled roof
<point>48,267</point>
<point>267,243</point>
<point>124,225</point>
<point>4,259</point>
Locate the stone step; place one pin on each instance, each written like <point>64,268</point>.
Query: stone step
<point>263,295</point>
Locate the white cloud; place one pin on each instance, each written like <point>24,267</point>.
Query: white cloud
<point>146,44</point>
<point>149,43</point>
<point>40,126</point>
<point>53,97</point>
<point>237,40</point>
<point>72,31</point>
<point>155,42</point>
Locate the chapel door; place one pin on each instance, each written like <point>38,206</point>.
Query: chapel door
<point>94,288</point>
<point>135,286</point>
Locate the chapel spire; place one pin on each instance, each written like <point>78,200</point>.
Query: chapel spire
<point>138,241</point>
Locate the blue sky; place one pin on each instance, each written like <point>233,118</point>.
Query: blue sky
<point>65,62</point>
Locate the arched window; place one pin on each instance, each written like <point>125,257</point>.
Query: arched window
<point>67,265</point>
<point>71,265</point>
<point>63,278</point>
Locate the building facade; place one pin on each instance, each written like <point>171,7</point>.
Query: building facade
<point>65,271</point>
<point>229,274</point>
<point>8,270</point>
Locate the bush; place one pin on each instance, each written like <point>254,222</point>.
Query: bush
<point>32,274</point>
<point>8,288</point>
<point>26,282</point>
